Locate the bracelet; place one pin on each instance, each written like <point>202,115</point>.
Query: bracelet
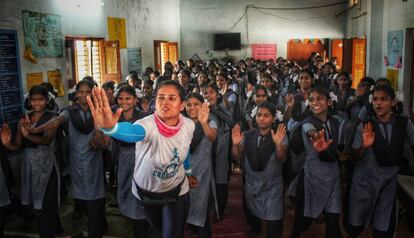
<point>110,131</point>
<point>188,172</point>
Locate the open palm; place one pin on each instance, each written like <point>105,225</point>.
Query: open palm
<point>279,135</point>
<point>319,142</point>
<point>101,110</point>
<point>236,135</point>
<point>368,136</point>
<point>5,133</point>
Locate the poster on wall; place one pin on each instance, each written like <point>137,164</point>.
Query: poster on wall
<point>117,31</point>
<point>134,60</point>
<point>33,79</point>
<point>55,78</point>
<point>394,48</point>
<point>43,34</point>
<point>11,94</point>
<point>392,76</point>
<point>264,51</point>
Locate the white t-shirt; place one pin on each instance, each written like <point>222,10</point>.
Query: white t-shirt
<point>159,159</point>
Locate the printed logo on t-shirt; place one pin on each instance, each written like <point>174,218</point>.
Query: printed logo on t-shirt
<point>172,168</point>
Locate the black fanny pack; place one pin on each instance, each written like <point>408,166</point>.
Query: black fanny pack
<point>159,199</point>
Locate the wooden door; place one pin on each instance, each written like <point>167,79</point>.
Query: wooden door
<point>158,65</point>
<point>336,50</point>
<point>358,60</point>
<point>110,61</point>
<point>172,52</point>
<point>347,55</point>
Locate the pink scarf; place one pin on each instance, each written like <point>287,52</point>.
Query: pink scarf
<point>166,130</point>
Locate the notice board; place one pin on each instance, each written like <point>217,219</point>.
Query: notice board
<point>264,51</point>
<point>11,94</point>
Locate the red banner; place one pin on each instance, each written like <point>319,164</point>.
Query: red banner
<point>264,51</point>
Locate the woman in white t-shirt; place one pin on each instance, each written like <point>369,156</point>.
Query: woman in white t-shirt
<point>161,160</point>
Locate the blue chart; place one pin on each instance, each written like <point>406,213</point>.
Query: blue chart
<point>42,33</point>
<point>11,99</point>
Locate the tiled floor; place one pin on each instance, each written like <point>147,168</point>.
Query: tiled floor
<point>233,223</point>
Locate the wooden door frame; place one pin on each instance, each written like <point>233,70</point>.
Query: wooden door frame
<point>157,61</point>
<point>72,82</point>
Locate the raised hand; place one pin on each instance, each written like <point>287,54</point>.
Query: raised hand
<point>203,113</point>
<point>318,141</point>
<point>5,134</point>
<point>236,135</point>
<point>24,127</point>
<point>279,135</point>
<point>101,110</point>
<point>368,136</point>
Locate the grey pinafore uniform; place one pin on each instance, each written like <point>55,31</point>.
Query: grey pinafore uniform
<point>202,169</point>
<point>37,166</point>
<point>373,188</point>
<point>4,192</point>
<point>86,165</point>
<point>127,202</point>
<point>264,189</point>
<point>222,153</point>
<point>321,181</point>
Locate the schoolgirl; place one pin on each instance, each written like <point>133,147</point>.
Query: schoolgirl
<point>39,174</point>
<point>123,154</point>
<point>319,187</point>
<point>343,90</point>
<point>379,144</point>
<point>201,163</point>
<point>252,106</point>
<point>221,148</point>
<point>229,97</point>
<point>162,144</point>
<point>85,163</point>
<point>263,170</point>
<point>184,77</point>
<point>272,90</point>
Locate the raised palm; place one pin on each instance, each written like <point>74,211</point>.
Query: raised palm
<point>101,110</point>
<point>368,136</point>
<point>203,113</point>
<point>319,142</point>
<point>5,133</point>
<point>236,135</point>
<point>279,135</point>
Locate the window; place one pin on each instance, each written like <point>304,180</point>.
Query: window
<point>87,59</point>
<point>93,57</point>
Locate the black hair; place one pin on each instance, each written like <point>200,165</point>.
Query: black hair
<point>196,96</point>
<point>126,88</point>
<point>186,72</point>
<point>49,88</point>
<point>384,88</point>
<point>156,73</point>
<point>269,106</point>
<point>149,82</point>
<point>222,74</point>
<point>176,85</point>
<point>42,90</point>
<point>308,72</point>
<point>109,85</point>
<point>86,82</point>
<point>321,90</point>
<point>259,87</point>
<point>211,85</point>
<point>383,81</point>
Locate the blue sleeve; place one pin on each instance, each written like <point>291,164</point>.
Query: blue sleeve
<point>125,131</point>
<point>187,164</point>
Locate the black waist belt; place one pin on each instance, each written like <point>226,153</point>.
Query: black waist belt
<point>163,198</point>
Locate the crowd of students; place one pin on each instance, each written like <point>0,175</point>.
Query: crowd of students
<point>170,143</point>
